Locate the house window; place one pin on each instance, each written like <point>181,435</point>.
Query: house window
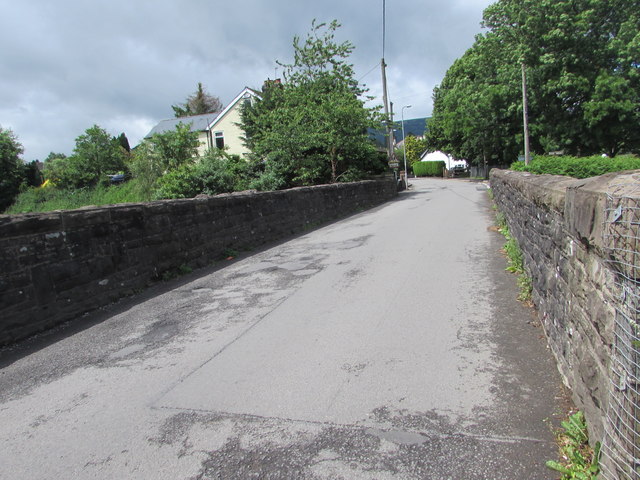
<point>246,100</point>
<point>219,140</point>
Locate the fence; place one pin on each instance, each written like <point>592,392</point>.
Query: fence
<point>621,446</point>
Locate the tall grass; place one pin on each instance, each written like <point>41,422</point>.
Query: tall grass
<point>50,198</point>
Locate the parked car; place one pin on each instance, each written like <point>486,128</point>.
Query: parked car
<point>117,178</point>
<point>458,170</point>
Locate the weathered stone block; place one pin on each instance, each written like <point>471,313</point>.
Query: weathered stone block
<point>29,224</point>
<point>82,218</point>
<point>58,265</point>
<point>559,223</point>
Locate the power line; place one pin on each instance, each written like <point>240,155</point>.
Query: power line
<point>413,95</point>
<point>372,69</point>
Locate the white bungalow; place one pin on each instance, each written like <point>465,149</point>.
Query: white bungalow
<point>443,157</point>
<point>219,130</point>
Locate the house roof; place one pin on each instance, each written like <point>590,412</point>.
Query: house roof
<point>245,93</point>
<point>200,123</point>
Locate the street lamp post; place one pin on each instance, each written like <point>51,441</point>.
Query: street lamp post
<point>404,147</point>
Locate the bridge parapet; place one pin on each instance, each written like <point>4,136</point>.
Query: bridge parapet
<point>58,265</point>
<point>581,245</point>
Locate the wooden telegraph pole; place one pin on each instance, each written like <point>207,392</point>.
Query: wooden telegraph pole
<point>525,115</point>
<point>385,97</point>
<point>385,100</point>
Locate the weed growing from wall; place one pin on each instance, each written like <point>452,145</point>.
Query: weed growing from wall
<point>176,272</point>
<point>578,459</point>
<point>515,259</point>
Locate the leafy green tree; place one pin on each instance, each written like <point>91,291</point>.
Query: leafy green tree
<point>53,156</point>
<point>308,129</point>
<point>11,167</point>
<point>162,153</point>
<point>96,155</point>
<point>255,114</point>
<point>101,153</point>
<point>67,172</point>
<point>175,147</point>
<point>33,177</point>
<point>612,113</point>
<point>53,166</point>
<point>124,142</point>
<point>475,113</point>
<point>414,148</point>
<point>145,167</point>
<point>198,103</point>
<point>581,60</point>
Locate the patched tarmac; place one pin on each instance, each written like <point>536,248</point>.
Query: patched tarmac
<point>389,345</point>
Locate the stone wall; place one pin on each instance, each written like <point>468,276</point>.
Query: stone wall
<point>558,222</point>
<point>56,266</point>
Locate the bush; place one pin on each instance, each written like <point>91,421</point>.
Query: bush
<point>95,155</point>
<point>578,167</point>
<point>11,167</point>
<point>428,169</point>
<point>216,172</point>
<point>274,173</point>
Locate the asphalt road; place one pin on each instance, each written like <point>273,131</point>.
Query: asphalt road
<point>389,345</point>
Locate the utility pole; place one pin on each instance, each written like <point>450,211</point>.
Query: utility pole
<point>404,147</point>
<point>388,116</point>
<point>385,98</point>
<point>525,115</point>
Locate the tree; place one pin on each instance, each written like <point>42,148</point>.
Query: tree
<point>100,152</point>
<point>32,175</point>
<point>581,62</point>
<point>53,156</point>
<point>175,147</point>
<point>198,103</point>
<point>613,109</point>
<point>96,155</point>
<point>11,167</point>
<point>476,115</point>
<point>311,128</point>
<point>414,148</point>
<point>124,142</point>
<point>162,153</point>
<point>254,115</point>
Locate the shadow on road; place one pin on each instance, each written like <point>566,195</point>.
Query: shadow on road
<point>14,352</point>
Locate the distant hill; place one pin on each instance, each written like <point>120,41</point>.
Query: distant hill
<point>414,126</point>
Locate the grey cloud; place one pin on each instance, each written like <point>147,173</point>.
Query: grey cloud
<point>122,63</point>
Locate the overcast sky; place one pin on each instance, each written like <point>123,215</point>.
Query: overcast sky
<point>66,65</point>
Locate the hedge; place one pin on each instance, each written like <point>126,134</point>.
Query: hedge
<point>578,167</point>
<point>428,169</point>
